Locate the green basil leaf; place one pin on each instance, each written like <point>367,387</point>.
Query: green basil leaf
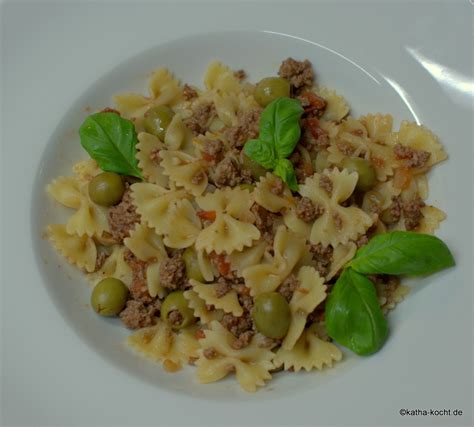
<point>111,141</point>
<point>260,152</point>
<point>284,169</point>
<point>403,253</point>
<point>353,316</point>
<point>279,125</point>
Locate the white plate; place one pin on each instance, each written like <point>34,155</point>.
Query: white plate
<point>60,367</point>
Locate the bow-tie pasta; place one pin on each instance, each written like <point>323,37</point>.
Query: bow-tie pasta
<point>217,359</point>
<point>337,224</point>
<point>163,90</point>
<point>231,229</point>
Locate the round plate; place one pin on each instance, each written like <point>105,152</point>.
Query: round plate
<point>260,54</point>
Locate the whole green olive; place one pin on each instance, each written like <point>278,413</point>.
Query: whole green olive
<point>271,88</point>
<point>372,201</point>
<point>321,161</point>
<point>389,216</point>
<point>106,189</point>
<point>175,304</point>
<point>255,169</point>
<point>271,314</point>
<point>109,297</point>
<point>367,178</point>
<point>192,265</point>
<point>157,120</point>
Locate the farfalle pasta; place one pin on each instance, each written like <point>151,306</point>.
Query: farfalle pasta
<point>202,235</point>
<point>231,229</point>
<point>337,224</point>
<point>252,364</point>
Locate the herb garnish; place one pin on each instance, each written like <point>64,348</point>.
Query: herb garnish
<point>111,141</point>
<point>279,133</point>
<point>353,315</point>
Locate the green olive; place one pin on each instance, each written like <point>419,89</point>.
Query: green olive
<point>175,301</point>
<point>109,297</point>
<point>255,169</point>
<point>367,178</point>
<point>157,120</point>
<point>372,201</point>
<point>271,314</point>
<point>271,88</point>
<point>388,216</point>
<point>192,265</point>
<point>106,189</point>
<point>249,187</point>
<point>321,162</point>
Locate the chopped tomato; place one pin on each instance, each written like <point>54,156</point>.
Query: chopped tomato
<point>199,334</point>
<point>222,265</point>
<point>314,102</point>
<point>313,125</point>
<point>209,215</point>
<point>208,157</point>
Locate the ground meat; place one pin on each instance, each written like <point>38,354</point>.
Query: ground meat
<point>288,287</point>
<point>362,241</point>
<point>212,147</point>
<point>307,210</point>
<point>243,340</point>
<point>240,75</point>
<point>110,110</point>
<point>102,255</point>
<point>345,148</point>
<point>337,220</point>
<point>412,213</point>
<point>237,325</point>
<point>228,173</point>
<point>210,353</point>
<point>139,315</point>
<point>175,318</point>
<point>123,217</point>
<point>203,115</point>
<point>314,137</point>
<point>264,221</point>
<point>173,273</point>
<point>323,257</point>
<point>394,212</point>
<point>277,187</point>
<point>298,73</point>
<point>189,92</point>
<point>198,178</point>
<point>245,300</point>
<point>413,158</point>
<point>325,183</point>
<point>139,286</point>
<point>312,104</point>
<point>245,129</point>
<point>223,287</point>
<point>303,169</point>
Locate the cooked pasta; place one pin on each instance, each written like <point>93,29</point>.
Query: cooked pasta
<point>203,231</point>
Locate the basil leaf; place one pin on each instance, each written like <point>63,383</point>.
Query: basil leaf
<point>279,125</point>
<point>284,169</point>
<point>279,133</point>
<point>353,316</point>
<point>111,141</point>
<point>261,153</point>
<point>403,253</point>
